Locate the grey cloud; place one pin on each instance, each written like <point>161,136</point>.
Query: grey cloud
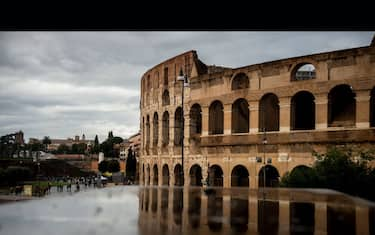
<point>66,83</point>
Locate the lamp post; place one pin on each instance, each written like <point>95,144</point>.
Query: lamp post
<point>184,79</point>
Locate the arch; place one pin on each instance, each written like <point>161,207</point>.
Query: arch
<point>165,98</point>
<point>240,177</point>
<point>165,129</point>
<point>148,131</point>
<point>240,81</point>
<point>216,118</point>
<point>215,176</point>
<point>178,180</point>
<point>240,116</point>
<point>269,113</point>
<point>165,175</point>
<point>341,106</point>
<point>195,119</point>
<point>272,176</point>
<point>303,71</point>
<point>143,133</point>
<point>178,127</point>
<point>155,129</point>
<point>195,175</point>
<point>302,112</point>
<point>156,175</point>
<point>372,108</point>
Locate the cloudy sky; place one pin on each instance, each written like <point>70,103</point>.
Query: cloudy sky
<point>62,84</point>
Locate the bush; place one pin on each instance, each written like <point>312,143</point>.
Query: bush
<point>113,166</point>
<point>103,166</point>
<point>344,170</point>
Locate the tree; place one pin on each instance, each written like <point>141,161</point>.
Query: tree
<point>79,148</point>
<point>131,164</point>
<point>346,170</point>
<point>96,148</point>
<point>117,140</point>
<point>46,141</point>
<point>63,149</point>
<point>103,166</point>
<point>14,174</point>
<point>113,166</point>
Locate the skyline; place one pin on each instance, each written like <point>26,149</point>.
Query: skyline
<point>62,84</point>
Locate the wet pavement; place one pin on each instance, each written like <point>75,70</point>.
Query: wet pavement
<point>162,210</point>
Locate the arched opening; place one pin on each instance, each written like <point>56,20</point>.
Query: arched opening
<point>195,120</point>
<point>269,113</point>
<point>215,176</point>
<point>240,116</point>
<point>195,175</point>
<point>155,130</point>
<point>143,133</point>
<point>372,108</point>
<point>148,131</point>
<point>165,98</point>
<point>216,118</point>
<point>272,177</point>
<point>165,129</point>
<point>240,81</point>
<point>178,180</point>
<point>156,175</point>
<point>240,177</point>
<point>178,127</point>
<point>303,111</point>
<point>341,106</point>
<point>165,175</point>
<point>304,71</point>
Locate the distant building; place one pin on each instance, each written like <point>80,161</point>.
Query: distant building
<point>55,143</point>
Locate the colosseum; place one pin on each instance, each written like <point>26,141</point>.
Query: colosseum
<point>234,126</point>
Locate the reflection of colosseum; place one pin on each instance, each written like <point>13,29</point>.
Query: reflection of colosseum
<point>228,112</point>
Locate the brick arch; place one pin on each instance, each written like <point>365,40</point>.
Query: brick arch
<point>165,174</point>
<point>302,111</point>
<point>195,174</point>
<point>298,65</point>
<point>240,116</point>
<point>216,175</point>
<point>155,169</point>
<point>216,118</point>
<point>341,106</point>
<point>272,176</point>
<point>269,113</point>
<point>195,115</point>
<point>239,81</point>
<point>240,176</point>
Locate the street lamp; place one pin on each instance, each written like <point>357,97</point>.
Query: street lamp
<point>183,78</point>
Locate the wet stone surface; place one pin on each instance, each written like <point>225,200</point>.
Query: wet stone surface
<point>194,210</point>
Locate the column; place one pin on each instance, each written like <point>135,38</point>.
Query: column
<point>362,220</point>
<point>284,217</point>
<point>205,111</point>
<point>284,114</point>
<point>227,119</point>
<point>320,218</point>
<point>254,116</point>
<point>321,111</point>
<point>362,109</point>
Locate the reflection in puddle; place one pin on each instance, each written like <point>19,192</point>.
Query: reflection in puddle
<point>195,210</point>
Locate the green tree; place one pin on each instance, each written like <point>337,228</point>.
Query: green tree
<point>46,141</point>
<point>63,149</point>
<point>113,166</point>
<point>79,148</point>
<point>117,140</point>
<point>96,147</point>
<point>346,170</point>
<point>103,166</point>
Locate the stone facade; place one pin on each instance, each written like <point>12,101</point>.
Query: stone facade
<point>240,121</point>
